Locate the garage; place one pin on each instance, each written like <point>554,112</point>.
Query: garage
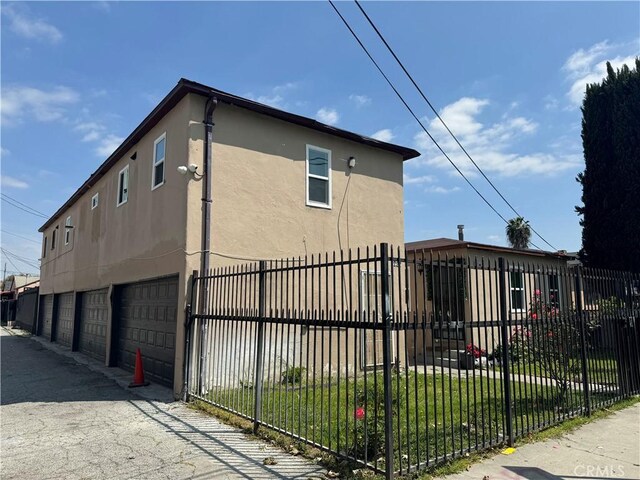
<point>94,308</point>
<point>64,319</point>
<point>146,316</point>
<point>46,315</point>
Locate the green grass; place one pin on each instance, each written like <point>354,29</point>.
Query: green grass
<point>435,416</point>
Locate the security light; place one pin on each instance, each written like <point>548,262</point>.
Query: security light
<point>183,170</point>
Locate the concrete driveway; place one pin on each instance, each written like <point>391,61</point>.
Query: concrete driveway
<point>62,418</point>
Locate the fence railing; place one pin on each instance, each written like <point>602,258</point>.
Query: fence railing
<point>400,360</point>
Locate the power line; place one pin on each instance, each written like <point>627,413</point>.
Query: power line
<point>27,261</point>
<point>20,236</point>
<point>24,205</point>
<point>375,28</point>
<point>16,204</point>
<point>413,114</point>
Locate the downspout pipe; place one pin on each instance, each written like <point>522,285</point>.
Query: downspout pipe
<point>210,106</point>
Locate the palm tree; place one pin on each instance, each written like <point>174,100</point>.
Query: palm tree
<point>518,233</point>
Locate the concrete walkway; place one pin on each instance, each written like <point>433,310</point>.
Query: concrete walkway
<point>606,448</point>
<point>62,418</point>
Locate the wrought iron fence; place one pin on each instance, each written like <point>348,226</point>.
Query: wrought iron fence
<point>400,360</point>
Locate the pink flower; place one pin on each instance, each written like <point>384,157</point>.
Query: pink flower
<point>537,292</point>
<point>359,413</point>
<point>534,316</point>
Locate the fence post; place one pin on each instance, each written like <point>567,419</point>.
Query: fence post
<point>583,342</point>
<point>504,335</point>
<point>257,387</point>
<point>188,327</point>
<point>387,360</point>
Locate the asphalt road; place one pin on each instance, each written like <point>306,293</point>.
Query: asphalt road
<point>62,418</point>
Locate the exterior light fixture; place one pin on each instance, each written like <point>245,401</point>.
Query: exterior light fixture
<point>183,169</point>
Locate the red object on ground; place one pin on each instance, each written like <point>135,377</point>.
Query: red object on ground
<point>138,374</point>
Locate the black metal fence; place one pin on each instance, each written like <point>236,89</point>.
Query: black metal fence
<point>400,360</point>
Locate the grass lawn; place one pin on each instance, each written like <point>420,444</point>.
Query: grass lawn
<point>434,416</point>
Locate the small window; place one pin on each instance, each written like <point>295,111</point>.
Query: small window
<point>67,230</point>
<point>123,186</point>
<point>159,148</point>
<point>53,238</point>
<point>318,177</point>
<point>94,201</point>
<point>554,290</point>
<point>517,291</point>
<point>44,247</point>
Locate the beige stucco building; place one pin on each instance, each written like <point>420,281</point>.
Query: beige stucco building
<point>457,288</point>
<point>118,255</point>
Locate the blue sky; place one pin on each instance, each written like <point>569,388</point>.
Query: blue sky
<point>508,78</point>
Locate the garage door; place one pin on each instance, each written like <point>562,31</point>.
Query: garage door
<point>147,320</point>
<point>46,315</point>
<point>64,319</point>
<point>92,340</point>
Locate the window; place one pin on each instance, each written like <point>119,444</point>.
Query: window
<point>44,247</point>
<point>159,148</point>
<point>94,201</point>
<point>123,186</point>
<point>318,177</point>
<point>554,290</point>
<point>53,238</point>
<point>516,286</point>
<point>67,230</point>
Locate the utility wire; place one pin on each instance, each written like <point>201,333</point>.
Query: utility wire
<point>399,95</point>
<point>20,236</point>
<point>19,205</point>
<point>9,254</point>
<point>375,28</point>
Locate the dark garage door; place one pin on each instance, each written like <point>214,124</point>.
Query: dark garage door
<point>93,323</point>
<point>46,315</point>
<point>64,319</point>
<point>147,320</point>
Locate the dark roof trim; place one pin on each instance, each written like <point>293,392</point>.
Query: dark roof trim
<point>185,87</point>
<point>450,244</point>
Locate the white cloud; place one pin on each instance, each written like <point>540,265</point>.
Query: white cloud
<point>491,146</point>
<point>10,182</point>
<point>28,27</point>
<point>384,135</point>
<point>590,66</point>
<point>108,144</point>
<point>494,238</point>
<point>276,96</point>
<point>91,131</point>
<point>360,100</point>
<point>19,102</point>
<point>4,152</point>
<point>409,180</point>
<point>441,190</point>
<point>328,115</point>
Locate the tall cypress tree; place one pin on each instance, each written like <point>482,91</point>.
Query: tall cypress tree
<point>611,178</point>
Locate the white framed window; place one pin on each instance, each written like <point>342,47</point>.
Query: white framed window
<point>516,288</point>
<point>67,230</point>
<point>123,186</point>
<point>318,177</point>
<point>159,152</point>
<point>94,201</point>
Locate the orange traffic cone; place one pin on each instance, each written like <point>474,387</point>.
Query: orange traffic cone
<point>138,374</point>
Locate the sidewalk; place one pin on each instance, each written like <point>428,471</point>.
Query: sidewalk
<point>606,448</point>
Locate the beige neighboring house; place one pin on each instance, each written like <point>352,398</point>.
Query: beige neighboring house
<point>465,278</point>
<point>118,255</point>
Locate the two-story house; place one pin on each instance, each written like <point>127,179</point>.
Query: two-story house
<point>118,255</point>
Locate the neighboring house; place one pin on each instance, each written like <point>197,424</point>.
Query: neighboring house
<point>19,283</point>
<point>118,255</point>
<point>457,289</point>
